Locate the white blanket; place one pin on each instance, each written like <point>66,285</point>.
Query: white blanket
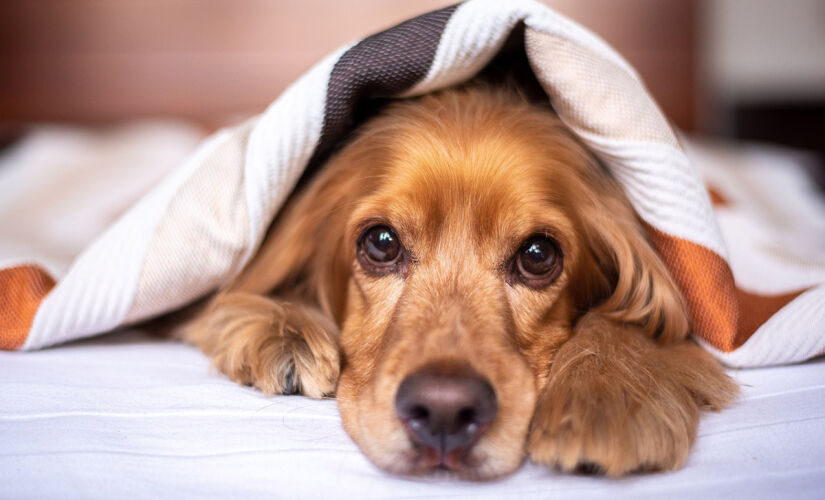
<point>131,416</point>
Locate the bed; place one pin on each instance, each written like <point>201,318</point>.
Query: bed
<point>130,415</point>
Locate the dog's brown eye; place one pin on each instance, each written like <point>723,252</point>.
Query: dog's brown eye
<point>539,261</point>
<point>379,249</point>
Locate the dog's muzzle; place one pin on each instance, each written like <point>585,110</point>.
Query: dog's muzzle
<point>446,413</point>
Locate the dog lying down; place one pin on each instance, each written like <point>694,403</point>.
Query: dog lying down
<point>474,288</point>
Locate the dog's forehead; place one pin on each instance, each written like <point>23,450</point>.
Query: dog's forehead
<point>482,166</point>
<point>479,179</point>
<point>486,188</point>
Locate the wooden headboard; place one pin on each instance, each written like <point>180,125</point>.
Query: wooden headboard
<point>211,60</point>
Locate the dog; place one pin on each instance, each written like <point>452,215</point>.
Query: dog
<point>474,288</point>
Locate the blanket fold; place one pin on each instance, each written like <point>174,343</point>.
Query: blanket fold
<point>198,227</point>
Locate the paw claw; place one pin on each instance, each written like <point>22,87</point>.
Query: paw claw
<point>589,469</point>
<point>290,386</point>
<point>277,347</point>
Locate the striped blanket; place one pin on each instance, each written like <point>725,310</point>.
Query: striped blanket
<point>757,300</point>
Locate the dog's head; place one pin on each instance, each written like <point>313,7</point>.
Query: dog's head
<point>456,240</point>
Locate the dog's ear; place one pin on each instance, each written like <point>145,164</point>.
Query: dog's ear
<point>622,277</point>
<point>304,254</point>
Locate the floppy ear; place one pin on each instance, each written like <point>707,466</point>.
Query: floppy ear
<point>304,255</point>
<point>623,278</point>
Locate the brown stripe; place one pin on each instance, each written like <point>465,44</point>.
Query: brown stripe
<point>382,65</point>
<point>22,289</point>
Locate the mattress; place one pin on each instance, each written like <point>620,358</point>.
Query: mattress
<point>130,415</point>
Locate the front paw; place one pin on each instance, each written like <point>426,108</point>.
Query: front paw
<point>598,423</point>
<point>277,347</point>
<point>615,402</point>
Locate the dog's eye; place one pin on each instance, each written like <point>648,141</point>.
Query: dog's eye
<point>379,248</point>
<point>538,261</point>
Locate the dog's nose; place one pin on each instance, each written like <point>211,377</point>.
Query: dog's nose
<point>445,412</point>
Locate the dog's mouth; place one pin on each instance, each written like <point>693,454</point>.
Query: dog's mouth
<point>430,461</point>
<point>450,452</point>
<point>426,462</point>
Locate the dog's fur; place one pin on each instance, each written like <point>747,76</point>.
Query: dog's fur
<point>592,369</point>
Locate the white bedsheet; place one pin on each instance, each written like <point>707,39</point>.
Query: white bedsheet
<point>133,416</point>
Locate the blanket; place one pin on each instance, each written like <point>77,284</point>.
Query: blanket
<point>760,301</point>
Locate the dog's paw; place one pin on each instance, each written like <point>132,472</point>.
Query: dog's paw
<point>616,402</point>
<point>277,347</point>
<point>595,424</point>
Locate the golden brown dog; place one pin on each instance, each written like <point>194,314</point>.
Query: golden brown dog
<point>475,288</point>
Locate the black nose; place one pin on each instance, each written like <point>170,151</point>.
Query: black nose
<point>445,412</point>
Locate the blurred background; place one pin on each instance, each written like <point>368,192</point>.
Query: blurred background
<point>745,69</point>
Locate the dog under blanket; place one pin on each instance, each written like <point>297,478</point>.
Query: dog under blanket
<point>754,298</point>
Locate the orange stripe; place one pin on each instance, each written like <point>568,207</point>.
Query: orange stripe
<point>755,310</point>
<point>707,284</point>
<point>716,198</point>
<point>22,289</point>
<point>722,314</point>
